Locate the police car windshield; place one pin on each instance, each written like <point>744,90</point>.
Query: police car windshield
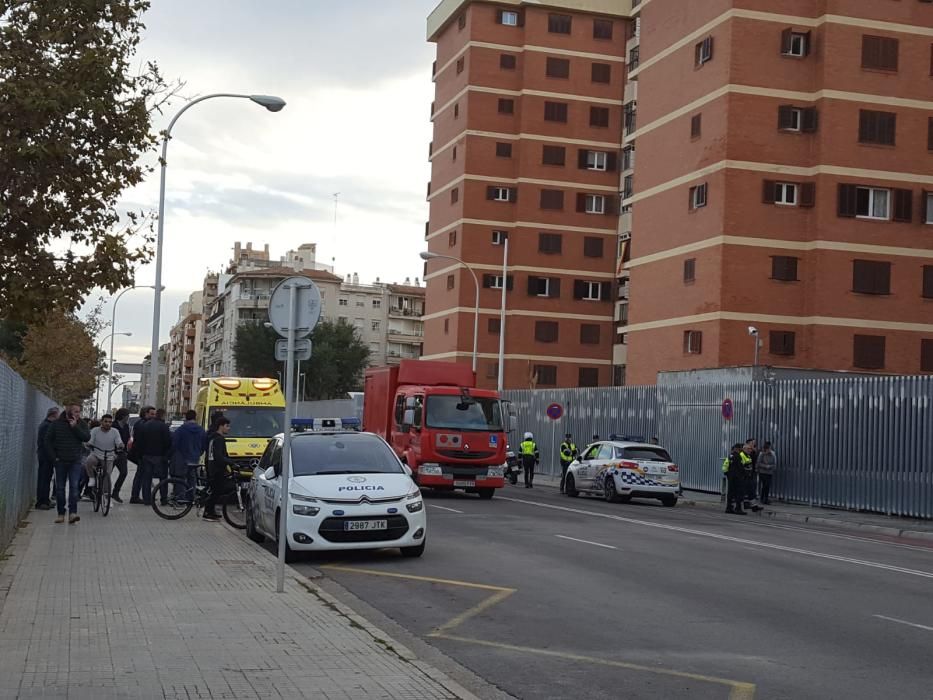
<point>646,454</point>
<point>342,453</point>
<point>450,413</point>
<point>254,422</point>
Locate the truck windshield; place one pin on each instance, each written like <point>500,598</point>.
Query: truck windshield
<point>248,422</point>
<point>450,413</point>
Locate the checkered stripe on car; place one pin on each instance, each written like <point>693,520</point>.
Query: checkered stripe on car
<point>629,477</point>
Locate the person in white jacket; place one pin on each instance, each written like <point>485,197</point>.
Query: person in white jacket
<point>105,442</point>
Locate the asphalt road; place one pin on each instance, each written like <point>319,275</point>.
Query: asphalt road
<point>545,596</point>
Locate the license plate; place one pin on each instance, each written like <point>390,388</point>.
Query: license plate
<point>656,470</point>
<point>366,525</point>
<point>465,484</point>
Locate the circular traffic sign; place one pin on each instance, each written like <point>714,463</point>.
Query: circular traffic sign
<point>728,410</point>
<point>555,411</point>
<point>307,311</point>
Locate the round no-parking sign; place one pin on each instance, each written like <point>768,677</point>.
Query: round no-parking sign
<point>728,410</point>
<point>555,411</point>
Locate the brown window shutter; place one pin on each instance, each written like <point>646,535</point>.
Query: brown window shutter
<point>499,16</point>
<point>787,37</point>
<point>582,156</point>
<point>509,283</point>
<point>847,201</point>
<point>532,286</point>
<point>809,120</point>
<point>868,351</point>
<point>807,42</point>
<point>930,134</point>
<point>785,117</point>
<point>490,192</point>
<point>612,161</point>
<point>867,126</point>
<point>709,42</point>
<point>513,194</point>
<point>581,202</point>
<point>589,334</point>
<point>924,219</point>
<point>903,205</point>
<point>807,194</point>
<point>696,125</point>
<point>605,291</point>
<point>926,355</point>
<point>611,205</point>
<point>553,290</point>
<point>579,289</point>
<point>928,281</point>
<point>767,191</point>
<point>521,18</point>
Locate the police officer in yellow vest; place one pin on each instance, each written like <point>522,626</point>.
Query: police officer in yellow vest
<point>528,450</point>
<point>568,453</point>
<point>734,467</point>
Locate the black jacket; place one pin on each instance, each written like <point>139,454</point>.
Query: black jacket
<point>217,458</point>
<point>153,439</point>
<point>40,440</point>
<point>65,443</point>
<point>736,468</point>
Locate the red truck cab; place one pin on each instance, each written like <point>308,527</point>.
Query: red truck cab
<point>451,435</point>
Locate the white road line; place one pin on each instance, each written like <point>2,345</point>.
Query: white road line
<point>904,622</point>
<point>854,538</point>
<point>727,538</point>
<point>595,544</point>
<point>443,508</point>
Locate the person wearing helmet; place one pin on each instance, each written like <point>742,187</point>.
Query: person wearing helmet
<point>530,457</point>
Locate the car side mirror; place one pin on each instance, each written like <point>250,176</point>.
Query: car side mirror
<point>408,419</point>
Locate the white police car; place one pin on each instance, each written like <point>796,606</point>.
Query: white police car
<point>348,490</point>
<point>620,470</point>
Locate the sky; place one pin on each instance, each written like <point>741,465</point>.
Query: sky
<point>356,75</point>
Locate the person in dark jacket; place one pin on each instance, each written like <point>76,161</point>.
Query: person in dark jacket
<point>188,444</point>
<point>46,463</point>
<point>121,423</point>
<point>219,468</point>
<point>146,413</point>
<point>155,447</point>
<point>64,441</point>
<point>735,472</point>
<point>767,463</point>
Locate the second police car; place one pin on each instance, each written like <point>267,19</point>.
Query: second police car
<point>618,470</point>
<point>348,490</point>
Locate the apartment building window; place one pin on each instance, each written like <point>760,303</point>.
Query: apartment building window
<point>879,52</point>
<point>788,193</point>
<point>591,203</point>
<point>602,29</point>
<point>552,199</point>
<point>628,157</point>
<point>871,277</point>
<point>453,153</point>
<point>696,126</point>
<point>588,376</point>
<point>599,116</point>
<point>628,186</point>
<point>800,119</point>
<point>452,239</point>
<point>629,116</point>
<point>377,303</point>
<point>690,270</point>
<point>498,237</point>
<point>589,334</point>
<point>927,207</point>
<point>557,67</point>
<point>553,155</point>
<point>856,201</point>
<point>546,374</point>
<point>446,326</point>
<point>461,21</point>
<point>494,326</point>
<point>703,52</point>
<point>592,247</point>
<point>375,326</point>
<point>546,331</point>
<point>594,160</point>
<point>456,110</point>
<point>591,291</point>
<point>559,24</point>
<point>926,355</point>
<point>698,195</point>
<point>451,281</point>
<point>506,106</point>
<point>492,370</point>
<point>693,342</point>
<point>507,61</point>
<point>868,351</point>
<point>343,302</point>
<point>782,343</point>
<point>503,150</point>
<point>502,194</point>
<point>510,18</point>
<point>634,56</point>
<point>877,127</point>
<point>495,282</point>
<point>601,73</point>
<point>461,62</point>
<point>455,195</point>
<point>784,268</point>
<point>555,112</point>
<point>795,44</point>
<point>928,281</point>
<point>544,287</point>
<point>550,243</point>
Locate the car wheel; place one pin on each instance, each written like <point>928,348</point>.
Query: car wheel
<point>669,501</point>
<point>412,552</point>
<point>251,530</point>
<point>570,487</point>
<point>485,493</point>
<point>609,490</point>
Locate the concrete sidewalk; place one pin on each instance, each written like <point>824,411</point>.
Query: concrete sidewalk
<point>854,521</point>
<point>133,606</point>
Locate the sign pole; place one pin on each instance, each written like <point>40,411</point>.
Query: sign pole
<point>287,447</point>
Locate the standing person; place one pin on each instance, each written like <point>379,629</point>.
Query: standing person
<point>187,448</point>
<point>64,441</point>
<point>750,450</point>
<point>155,446</point>
<point>568,453</point>
<point>219,468</point>
<point>767,463</point>
<point>105,442</point>
<point>530,458</point>
<point>122,426</point>
<point>46,463</point>
<point>734,468</point>
<point>146,413</point>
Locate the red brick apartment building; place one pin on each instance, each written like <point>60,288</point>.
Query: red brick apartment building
<point>783,181</point>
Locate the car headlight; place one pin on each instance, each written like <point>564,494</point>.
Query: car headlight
<point>299,509</point>
<point>431,470</point>
<point>494,472</point>
<point>413,494</point>
<point>301,497</point>
<point>415,507</point>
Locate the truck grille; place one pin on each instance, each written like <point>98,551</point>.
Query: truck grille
<point>332,529</point>
<point>460,454</point>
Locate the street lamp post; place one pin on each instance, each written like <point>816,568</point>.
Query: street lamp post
<point>427,255</point>
<point>100,347</point>
<point>270,102</point>
<point>113,325</point>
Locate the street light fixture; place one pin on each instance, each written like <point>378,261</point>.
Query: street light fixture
<point>271,103</point>
<point>752,331</point>
<point>113,324</point>
<point>427,255</point>
<point>100,347</point>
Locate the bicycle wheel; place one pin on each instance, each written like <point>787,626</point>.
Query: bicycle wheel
<point>180,499</point>
<point>97,491</point>
<point>234,514</point>
<point>105,491</point>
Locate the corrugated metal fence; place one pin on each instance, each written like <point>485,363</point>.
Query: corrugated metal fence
<point>856,442</point>
<point>22,408</point>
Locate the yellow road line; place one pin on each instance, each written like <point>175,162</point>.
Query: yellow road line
<point>412,577</point>
<point>494,599</point>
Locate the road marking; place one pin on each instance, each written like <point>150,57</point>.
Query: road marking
<point>595,544</point>
<point>413,577</point>
<point>904,622</point>
<point>492,600</point>
<point>444,508</point>
<point>727,538</point>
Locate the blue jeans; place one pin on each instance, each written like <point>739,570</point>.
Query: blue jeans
<point>70,472</point>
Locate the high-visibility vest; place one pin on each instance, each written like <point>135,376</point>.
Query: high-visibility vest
<point>746,460</point>
<point>725,465</point>
<point>528,447</point>
<point>567,451</point>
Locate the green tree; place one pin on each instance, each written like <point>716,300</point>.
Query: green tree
<point>254,350</point>
<point>75,119</point>
<point>338,359</point>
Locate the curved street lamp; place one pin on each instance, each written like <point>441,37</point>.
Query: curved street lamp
<point>271,103</point>
<point>100,347</point>
<point>113,324</point>
<point>427,255</point>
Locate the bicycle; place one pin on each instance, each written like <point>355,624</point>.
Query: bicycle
<point>182,497</point>
<point>101,492</point>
